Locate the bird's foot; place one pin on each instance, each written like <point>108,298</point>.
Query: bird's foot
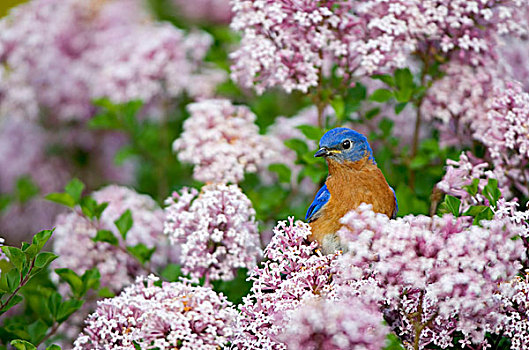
<point>331,243</point>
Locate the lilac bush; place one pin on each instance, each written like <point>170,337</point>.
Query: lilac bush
<point>440,274</point>
<point>161,316</point>
<point>215,230</point>
<point>325,324</point>
<point>221,141</point>
<point>81,50</point>
<point>132,93</point>
<point>294,273</point>
<point>75,232</point>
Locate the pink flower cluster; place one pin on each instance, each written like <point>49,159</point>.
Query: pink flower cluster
<point>505,133</point>
<point>215,230</point>
<point>442,270</point>
<point>286,305</point>
<point>515,298</point>
<point>59,55</point>
<point>74,233</point>
<point>289,43</point>
<point>334,325</point>
<point>456,103</point>
<point>221,141</point>
<point>462,172</point>
<point>285,43</point>
<point>170,315</point>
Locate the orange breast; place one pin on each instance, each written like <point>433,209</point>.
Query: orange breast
<point>351,184</point>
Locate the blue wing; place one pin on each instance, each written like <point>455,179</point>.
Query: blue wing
<point>394,215</point>
<point>322,197</point>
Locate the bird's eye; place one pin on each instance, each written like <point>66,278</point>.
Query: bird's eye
<point>346,144</point>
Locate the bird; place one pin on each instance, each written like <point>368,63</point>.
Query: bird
<point>353,178</point>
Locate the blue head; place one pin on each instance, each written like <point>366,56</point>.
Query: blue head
<point>343,144</point>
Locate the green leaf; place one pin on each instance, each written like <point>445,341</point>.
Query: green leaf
<point>451,204</point>
<point>373,112</point>
<point>44,259</point>
<point>106,236</point>
<point>141,252</point>
<point>20,344</point>
<point>388,79</point>
<point>475,210</point>
<point>381,95</point>
<point>353,98</point>
<point>479,212</point>
<point>386,125</point>
<point>124,223</point>
<point>105,292</point>
<point>403,78</point>
<point>75,189</point>
<point>136,346</point>
<point>25,189</point>
<point>61,198</point>
<point>283,172</point>
<point>53,347</point>
<point>40,239</point>
<point>15,255</point>
<point>491,192</point>
<point>91,279</point>
<point>37,330</point>
<point>67,308</point>
<point>404,95</point>
<point>89,206</point>
<point>311,132</point>
<point>5,201</point>
<point>100,209</point>
<point>105,121</point>
<point>393,342</point>
<point>11,280</point>
<point>486,214</point>
<point>338,104</point>
<point>70,277</point>
<point>171,272</point>
<point>235,289</point>
<point>53,303</point>
<point>297,145</point>
<point>472,189</point>
<point>399,107</point>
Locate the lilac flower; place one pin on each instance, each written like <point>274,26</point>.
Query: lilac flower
<point>326,324</point>
<point>461,173</point>
<point>215,230</point>
<point>443,270</point>
<point>285,43</point>
<point>515,324</point>
<point>456,103</point>
<point>294,273</point>
<point>156,62</point>
<point>505,133</point>
<point>61,55</point>
<point>74,233</point>
<point>221,141</point>
<point>173,315</point>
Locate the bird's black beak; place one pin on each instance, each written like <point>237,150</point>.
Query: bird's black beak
<point>322,152</point>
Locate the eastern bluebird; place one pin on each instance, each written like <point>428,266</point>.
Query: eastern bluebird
<point>354,178</point>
